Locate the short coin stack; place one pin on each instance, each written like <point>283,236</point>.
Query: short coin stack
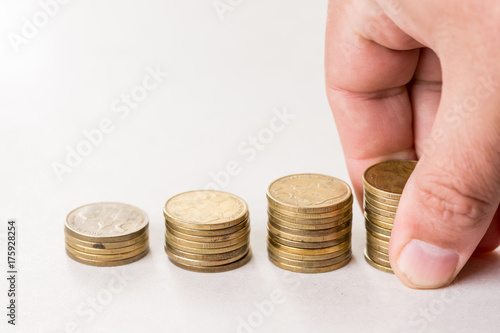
<point>383,185</point>
<point>207,231</point>
<point>309,223</point>
<point>106,234</point>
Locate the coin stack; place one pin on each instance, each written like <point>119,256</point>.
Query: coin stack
<point>207,231</point>
<point>383,185</point>
<point>106,234</point>
<point>309,223</point>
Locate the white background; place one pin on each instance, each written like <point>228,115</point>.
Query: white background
<point>226,76</point>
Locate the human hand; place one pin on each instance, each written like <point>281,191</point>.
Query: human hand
<point>421,80</point>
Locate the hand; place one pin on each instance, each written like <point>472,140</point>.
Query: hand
<point>421,80</point>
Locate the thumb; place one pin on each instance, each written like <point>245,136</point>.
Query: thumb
<point>454,191</point>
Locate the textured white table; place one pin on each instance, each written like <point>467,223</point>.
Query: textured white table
<point>227,79</point>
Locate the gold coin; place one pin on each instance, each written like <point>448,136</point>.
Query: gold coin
<point>173,243</point>
<point>311,223</point>
<point>205,210</point>
<point>378,217</point>
<point>309,193</point>
<point>279,253</point>
<point>308,235</point>
<point>215,269</point>
<point>378,260</point>
<point>388,179</point>
<point>139,245</point>
<point>377,205</point>
<point>111,245</point>
<point>382,200</point>
<point>209,233</point>
<point>310,263</point>
<point>200,245</point>
<point>376,244</point>
<point>108,263</point>
<point>309,245</point>
<point>298,269</point>
<point>335,214</point>
<point>372,252</point>
<point>209,257</point>
<point>377,235</point>
<point>308,227</point>
<point>379,211</point>
<point>310,252</point>
<point>106,222</point>
<point>105,257</point>
<point>375,221</point>
<point>209,239</point>
<point>174,256</point>
<point>378,266</point>
<point>370,225</point>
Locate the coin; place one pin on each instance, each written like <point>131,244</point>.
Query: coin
<point>106,222</point>
<point>105,257</point>
<point>333,215</point>
<point>379,199</point>
<point>378,266</point>
<point>139,245</point>
<point>309,193</point>
<point>208,257</point>
<point>372,252</point>
<point>177,257</point>
<point>374,243</point>
<point>275,250</point>
<point>379,231</point>
<point>109,245</point>
<point>379,211</point>
<point>310,236</point>
<point>311,223</point>
<point>377,235</point>
<point>205,210</point>
<point>107,263</point>
<point>299,269</point>
<point>210,239</point>
<point>388,179</point>
<point>379,205</point>
<point>171,241</point>
<point>209,233</point>
<point>308,245</point>
<point>215,269</point>
<point>326,251</point>
<point>376,222</point>
<point>310,263</point>
<point>204,245</point>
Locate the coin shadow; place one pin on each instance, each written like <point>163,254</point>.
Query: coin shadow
<point>485,267</point>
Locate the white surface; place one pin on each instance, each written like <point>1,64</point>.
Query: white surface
<point>226,77</point>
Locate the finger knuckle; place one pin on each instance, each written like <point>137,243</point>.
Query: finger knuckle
<point>451,204</point>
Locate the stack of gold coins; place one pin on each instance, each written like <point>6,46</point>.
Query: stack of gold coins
<point>309,223</point>
<point>383,185</point>
<point>207,231</point>
<point>106,234</point>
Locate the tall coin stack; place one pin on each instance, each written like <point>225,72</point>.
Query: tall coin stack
<point>106,234</point>
<point>383,185</point>
<point>309,223</point>
<point>207,231</point>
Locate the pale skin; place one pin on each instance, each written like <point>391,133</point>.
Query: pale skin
<point>421,80</point>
